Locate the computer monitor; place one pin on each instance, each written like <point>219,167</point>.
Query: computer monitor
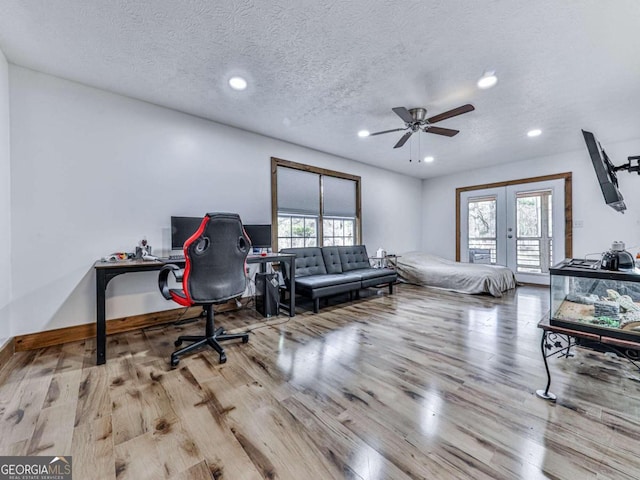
<point>260,235</point>
<point>182,228</point>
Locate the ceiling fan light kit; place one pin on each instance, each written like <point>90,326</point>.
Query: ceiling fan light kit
<point>415,121</point>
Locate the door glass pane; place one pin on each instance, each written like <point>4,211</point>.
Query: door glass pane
<point>533,240</point>
<point>528,215</point>
<point>528,254</point>
<point>482,229</point>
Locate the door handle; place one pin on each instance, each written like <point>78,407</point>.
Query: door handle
<point>509,236</point>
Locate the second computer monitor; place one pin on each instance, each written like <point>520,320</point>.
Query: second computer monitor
<point>260,235</point>
<point>181,230</point>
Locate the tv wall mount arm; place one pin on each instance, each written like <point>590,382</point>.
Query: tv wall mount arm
<point>629,166</point>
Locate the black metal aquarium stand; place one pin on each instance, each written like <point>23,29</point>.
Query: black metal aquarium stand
<point>558,342</point>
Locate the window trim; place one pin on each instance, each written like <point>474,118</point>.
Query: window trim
<point>278,162</point>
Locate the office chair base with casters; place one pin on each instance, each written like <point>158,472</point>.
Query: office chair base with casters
<point>212,337</point>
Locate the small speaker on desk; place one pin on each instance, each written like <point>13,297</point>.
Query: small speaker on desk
<point>267,294</point>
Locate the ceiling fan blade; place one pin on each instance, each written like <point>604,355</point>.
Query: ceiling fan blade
<point>451,113</point>
<point>447,132</point>
<point>386,131</point>
<point>403,140</point>
<point>404,114</point>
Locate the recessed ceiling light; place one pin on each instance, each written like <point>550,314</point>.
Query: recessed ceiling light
<point>429,159</point>
<point>363,133</point>
<point>237,83</point>
<point>536,132</point>
<point>487,80</point>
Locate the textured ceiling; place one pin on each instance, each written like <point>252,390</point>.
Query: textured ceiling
<point>320,71</point>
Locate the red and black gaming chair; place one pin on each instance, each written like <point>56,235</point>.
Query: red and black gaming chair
<point>214,272</point>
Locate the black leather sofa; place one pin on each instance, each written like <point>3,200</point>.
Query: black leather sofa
<point>326,271</point>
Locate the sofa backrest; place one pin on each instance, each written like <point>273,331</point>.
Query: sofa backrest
<point>353,257</point>
<point>331,257</point>
<point>309,261</point>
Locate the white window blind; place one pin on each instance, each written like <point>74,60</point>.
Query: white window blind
<point>339,197</point>
<point>298,191</point>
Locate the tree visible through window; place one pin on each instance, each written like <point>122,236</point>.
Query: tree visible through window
<point>534,232</point>
<point>297,231</point>
<point>338,231</point>
<point>482,225</point>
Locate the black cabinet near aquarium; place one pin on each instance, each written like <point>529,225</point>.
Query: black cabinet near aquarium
<point>586,298</point>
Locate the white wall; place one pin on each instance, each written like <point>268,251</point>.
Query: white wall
<point>93,172</point>
<point>601,224</point>
<point>5,204</point>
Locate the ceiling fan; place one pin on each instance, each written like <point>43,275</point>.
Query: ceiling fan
<point>414,121</point>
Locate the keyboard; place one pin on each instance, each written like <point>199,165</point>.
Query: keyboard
<point>176,257</point>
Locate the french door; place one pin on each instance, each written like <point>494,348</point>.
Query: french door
<point>521,226</point>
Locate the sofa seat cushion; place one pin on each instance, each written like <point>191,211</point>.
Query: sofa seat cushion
<point>370,277</point>
<point>319,281</point>
<point>369,273</point>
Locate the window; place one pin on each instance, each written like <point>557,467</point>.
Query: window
<point>313,206</point>
<point>534,231</point>
<point>482,225</point>
<point>297,231</point>
<point>338,231</point>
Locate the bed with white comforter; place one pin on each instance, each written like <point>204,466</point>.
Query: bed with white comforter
<point>430,270</point>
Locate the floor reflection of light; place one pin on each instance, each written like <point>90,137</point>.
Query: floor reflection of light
<point>482,333</point>
<point>430,415</point>
<point>481,319</point>
<point>532,455</point>
<point>530,306</point>
<point>367,463</point>
<point>305,363</point>
<point>285,361</point>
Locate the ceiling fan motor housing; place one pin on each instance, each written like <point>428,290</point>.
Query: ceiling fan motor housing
<point>418,114</point>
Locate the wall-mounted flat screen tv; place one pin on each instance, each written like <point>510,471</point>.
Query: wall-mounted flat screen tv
<point>605,171</point>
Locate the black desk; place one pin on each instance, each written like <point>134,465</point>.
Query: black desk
<point>106,271</point>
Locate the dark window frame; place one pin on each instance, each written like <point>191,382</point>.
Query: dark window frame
<point>278,162</point>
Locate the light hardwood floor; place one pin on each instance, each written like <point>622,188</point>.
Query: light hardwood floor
<point>420,384</point>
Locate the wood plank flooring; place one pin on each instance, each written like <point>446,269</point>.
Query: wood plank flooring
<point>422,384</point>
